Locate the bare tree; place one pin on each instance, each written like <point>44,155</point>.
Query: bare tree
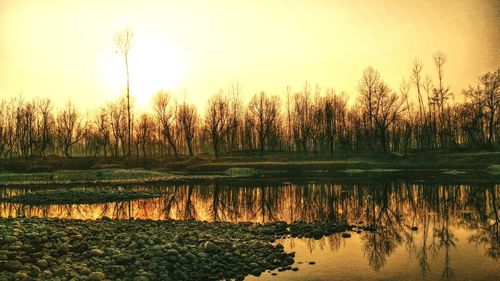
<point>3,126</point>
<point>380,119</point>
<point>144,130</point>
<point>69,128</point>
<point>441,94</point>
<point>264,110</point>
<point>25,127</point>
<point>387,108</point>
<point>166,112</point>
<point>102,123</point>
<point>188,120</point>
<point>367,87</point>
<point>234,112</point>
<point>118,121</point>
<point>416,80</point>
<point>335,107</point>
<point>303,113</point>
<point>9,134</point>
<point>217,120</point>
<point>289,131</point>
<point>46,119</point>
<point>486,97</point>
<point>404,90</point>
<point>124,42</point>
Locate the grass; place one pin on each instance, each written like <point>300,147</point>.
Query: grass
<point>481,166</point>
<point>494,170</point>
<point>375,163</point>
<point>71,196</point>
<point>64,176</point>
<point>241,172</point>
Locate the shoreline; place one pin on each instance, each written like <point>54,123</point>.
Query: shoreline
<point>149,250</point>
<point>480,168</point>
<point>234,176</point>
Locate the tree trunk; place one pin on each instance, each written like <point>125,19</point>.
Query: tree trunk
<point>383,139</point>
<point>128,108</point>
<point>67,151</point>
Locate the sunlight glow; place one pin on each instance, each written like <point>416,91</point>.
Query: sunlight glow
<point>154,64</point>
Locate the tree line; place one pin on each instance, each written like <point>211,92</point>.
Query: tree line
<point>422,114</point>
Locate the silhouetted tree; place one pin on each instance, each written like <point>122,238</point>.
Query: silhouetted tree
<point>188,120</point>
<point>217,120</point>
<point>118,120</point>
<point>144,131</point>
<point>44,125</point>
<point>166,112</point>
<point>367,87</point>
<point>234,112</point>
<point>124,42</point>
<point>303,113</point>
<point>486,96</point>
<point>264,110</point>
<point>70,128</point>
<point>102,123</point>
<point>387,108</point>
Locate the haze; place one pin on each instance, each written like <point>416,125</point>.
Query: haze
<point>64,49</point>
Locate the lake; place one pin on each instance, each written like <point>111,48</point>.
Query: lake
<point>423,231</point>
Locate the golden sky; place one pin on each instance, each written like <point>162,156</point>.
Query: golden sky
<point>64,49</point>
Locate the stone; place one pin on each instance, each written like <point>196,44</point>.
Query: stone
<point>10,265</point>
<point>96,276</point>
<point>172,252</point>
<point>256,272</point>
<point>123,259</point>
<point>85,271</point>
<point>346,235</point>
<point>64,248</point>
<point>42,263</point>
<point>61,271</point>
<point>20,276</point>
<point>190,256</point>
<point>9,239</point>
<point>210,247</point>
<point>96,252</point>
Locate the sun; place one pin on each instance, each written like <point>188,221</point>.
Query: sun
<point>154,64</point>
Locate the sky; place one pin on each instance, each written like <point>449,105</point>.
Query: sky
<point>64,49</point>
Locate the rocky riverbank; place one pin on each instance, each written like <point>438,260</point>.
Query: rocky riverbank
<point>42,249</point>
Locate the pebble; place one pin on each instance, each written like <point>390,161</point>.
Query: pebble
<point>150,250</point>
<point>20,276</point>
<point>42,263</point>
<point>346,235</point>
<point>96,276</point>
<point>96,252</point>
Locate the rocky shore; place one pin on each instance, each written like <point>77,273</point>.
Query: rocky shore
<point>105,249</point>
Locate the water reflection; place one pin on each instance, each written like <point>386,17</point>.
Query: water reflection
<point>426,220</point>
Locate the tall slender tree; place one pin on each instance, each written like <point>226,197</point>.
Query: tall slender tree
<point>124,42</point>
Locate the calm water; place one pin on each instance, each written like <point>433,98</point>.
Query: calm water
<point>458,236</point>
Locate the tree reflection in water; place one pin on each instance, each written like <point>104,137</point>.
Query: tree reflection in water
<point>393,208</point>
